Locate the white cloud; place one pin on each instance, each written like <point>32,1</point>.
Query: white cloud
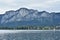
<point>50,2</point>
<point>7,1</point>
<point>47,5</point>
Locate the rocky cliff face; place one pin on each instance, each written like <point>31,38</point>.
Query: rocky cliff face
<point>24,16</point>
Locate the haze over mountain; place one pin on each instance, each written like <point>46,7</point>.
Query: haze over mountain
<point>29,17</point>
<point>41,5</point>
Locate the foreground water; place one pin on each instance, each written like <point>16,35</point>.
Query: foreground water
<point>29,35</point>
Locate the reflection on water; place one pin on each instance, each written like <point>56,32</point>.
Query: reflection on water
<point>31,35</point>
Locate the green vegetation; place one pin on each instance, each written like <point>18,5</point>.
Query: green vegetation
<point>31,28</point>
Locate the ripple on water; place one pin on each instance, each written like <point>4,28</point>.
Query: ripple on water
<point>31,35</point>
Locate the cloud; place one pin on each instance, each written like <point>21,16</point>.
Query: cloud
<point>7,1</point>
<point>48,5</point>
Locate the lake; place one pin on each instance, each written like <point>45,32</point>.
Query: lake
<point>29,34</point>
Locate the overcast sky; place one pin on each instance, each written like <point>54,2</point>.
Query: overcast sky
<point>46,5</point>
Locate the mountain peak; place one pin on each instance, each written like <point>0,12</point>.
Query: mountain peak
<point>22,8</point>
<point>30,16</point>
<point>23,11</point>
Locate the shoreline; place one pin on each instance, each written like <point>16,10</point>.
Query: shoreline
<point>25,31</point>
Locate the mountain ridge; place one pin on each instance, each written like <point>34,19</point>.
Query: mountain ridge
<point>25,16</point>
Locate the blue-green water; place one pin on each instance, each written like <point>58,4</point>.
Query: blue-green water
<point>31,35</point>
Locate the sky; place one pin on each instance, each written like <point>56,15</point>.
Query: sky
<point>41,5</point>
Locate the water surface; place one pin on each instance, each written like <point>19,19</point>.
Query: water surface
<point>29,34</point>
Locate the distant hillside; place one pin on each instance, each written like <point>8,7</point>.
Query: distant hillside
<point>29,17</point>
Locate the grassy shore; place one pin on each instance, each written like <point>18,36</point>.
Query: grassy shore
<point>31,28</point>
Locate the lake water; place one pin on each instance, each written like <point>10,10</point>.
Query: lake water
<point>29,34</point>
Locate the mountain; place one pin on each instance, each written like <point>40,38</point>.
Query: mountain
<point>29,17</point>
